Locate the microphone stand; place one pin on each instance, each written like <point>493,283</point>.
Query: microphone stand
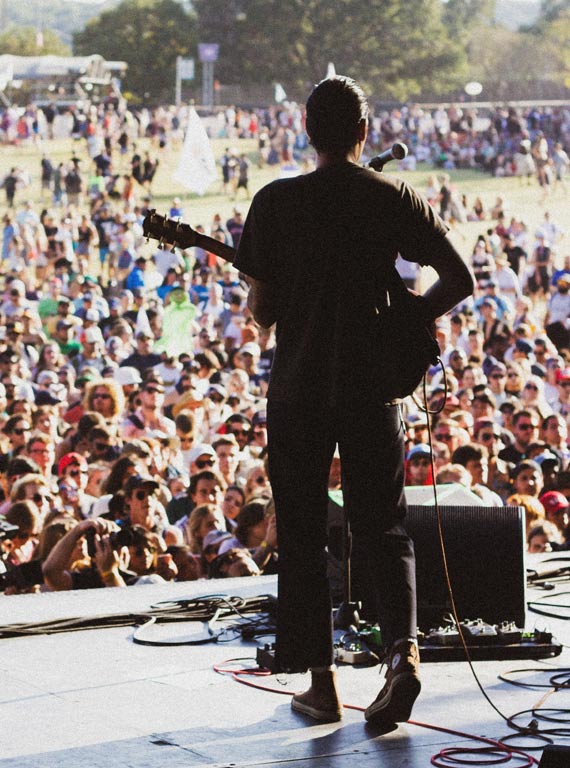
<point>347,613</point>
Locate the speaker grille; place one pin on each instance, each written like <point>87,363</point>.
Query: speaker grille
<point>485,555</point>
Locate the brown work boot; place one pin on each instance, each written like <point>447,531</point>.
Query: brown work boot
<point>395,701</point>
<point>321,701</point>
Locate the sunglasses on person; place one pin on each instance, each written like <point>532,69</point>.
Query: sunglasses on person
<point>141,495</point>
<point>486,437</point>
<point>154,390</point>
<point>527,426</point>
<point>21,430</point>
<point>78,471</point>
<point>39,498</point>
<point>497,376</point>
<point>531,386</point>
<point>101,396</point>
<point>235,431</point>
<point>102,446</point>
<point>201,463</point>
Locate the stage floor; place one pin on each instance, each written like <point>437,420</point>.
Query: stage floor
<point>94,699</point>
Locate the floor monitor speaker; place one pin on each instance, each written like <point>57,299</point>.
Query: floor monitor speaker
<point>555,756</point>
<point>485,559</point>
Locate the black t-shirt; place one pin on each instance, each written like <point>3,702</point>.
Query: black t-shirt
<point>511,454</point>
<point>327,242</point>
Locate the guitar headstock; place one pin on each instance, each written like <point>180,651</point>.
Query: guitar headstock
<point>168,231</point>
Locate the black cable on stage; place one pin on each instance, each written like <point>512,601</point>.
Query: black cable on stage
<point>552,683</point>
<point>194,609</point>
<point>535,606</point>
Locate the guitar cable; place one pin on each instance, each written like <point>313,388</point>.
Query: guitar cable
<point>529,730</point>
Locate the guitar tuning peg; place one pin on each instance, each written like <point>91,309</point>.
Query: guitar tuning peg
<point>173,249</point>
<point>161,243</point>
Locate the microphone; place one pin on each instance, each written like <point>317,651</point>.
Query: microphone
<point>397,151</point>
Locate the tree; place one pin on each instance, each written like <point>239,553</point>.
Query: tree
<point>556,36</point>
<point>462,16</point>
<point>23,41</point>
<point>379,42</point>
<point>149,36</point>
<point>550,10</point>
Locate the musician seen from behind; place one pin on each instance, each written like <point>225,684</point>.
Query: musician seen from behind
<point>315,249</point>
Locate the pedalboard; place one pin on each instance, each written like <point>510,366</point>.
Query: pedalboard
<point>486,642</point>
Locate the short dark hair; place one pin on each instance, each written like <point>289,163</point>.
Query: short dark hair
<point>335,109</point>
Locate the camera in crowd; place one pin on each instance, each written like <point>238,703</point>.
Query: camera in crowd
<point>122,538</point>
<point>23,576</point>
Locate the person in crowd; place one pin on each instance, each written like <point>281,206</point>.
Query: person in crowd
<point>544,537</point>
<point>255,531</point>
<point>525,424</point>
<point>527,478</point>
<point>70,565</point>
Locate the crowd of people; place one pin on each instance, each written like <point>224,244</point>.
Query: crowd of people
<point>133,381</point>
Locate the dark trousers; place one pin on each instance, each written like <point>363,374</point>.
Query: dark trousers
<point>301,443</point>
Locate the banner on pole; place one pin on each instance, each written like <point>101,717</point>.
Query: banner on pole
<point>197,166</point>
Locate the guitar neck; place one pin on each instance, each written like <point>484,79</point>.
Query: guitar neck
<point>181,235</point>
<point>222,250</point>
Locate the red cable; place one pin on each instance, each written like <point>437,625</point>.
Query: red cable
<point>443,759</point>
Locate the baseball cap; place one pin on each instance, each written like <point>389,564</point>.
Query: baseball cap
<point>251,348</point>
<point>93,335</point>
<point>259,417</point>
<point>524,346</point>
<point>563,375</point>
<point>553,501</point>
<point>217,389</point>
<point>69,459</point>
<point>202,449</point>
<point>17,286</point>
<point>126,375</point>
<point>418,450</point>
<point>139,481</point>
<point>44,397</point>
<point>213,539</point>
<point>63,324</point>
<point>547,457</point>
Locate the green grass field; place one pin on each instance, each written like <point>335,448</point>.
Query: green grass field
<point>523,201</point>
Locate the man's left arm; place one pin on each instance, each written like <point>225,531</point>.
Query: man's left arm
<point>262,300</point>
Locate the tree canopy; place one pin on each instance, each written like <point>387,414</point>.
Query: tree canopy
<point>148,35</point>
<point>23,41</point>
<point>398,49</point>
<point>382,43</point>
